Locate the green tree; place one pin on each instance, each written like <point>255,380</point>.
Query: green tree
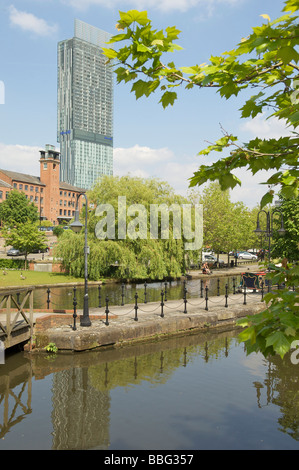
<point>288,245</point>
<point>226,225</point>
<point>58,230</point>
<point>134,258</point>
<point>16,209</point>
<point>266,62</point>
<point>25,237</point>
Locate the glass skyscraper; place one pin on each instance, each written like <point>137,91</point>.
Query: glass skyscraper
<point>85,107</point>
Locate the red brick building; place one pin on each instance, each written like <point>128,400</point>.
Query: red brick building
<point>55,200</point>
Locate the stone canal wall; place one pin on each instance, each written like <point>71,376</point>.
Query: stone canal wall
<point>125,324</point>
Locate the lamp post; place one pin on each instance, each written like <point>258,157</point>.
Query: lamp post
<point>76,226</point>
<point>269,227</point>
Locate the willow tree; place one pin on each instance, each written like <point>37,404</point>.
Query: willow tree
<point>132,256</point>
<point>266,62</point>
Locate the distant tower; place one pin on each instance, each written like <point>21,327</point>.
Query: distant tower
<point>85,107</point>
<point>49,175</point>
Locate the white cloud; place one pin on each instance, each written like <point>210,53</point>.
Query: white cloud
<point>20,158</point>
<point>30,22</point>
<point>162,5</point>
<point>263,128</point>
<point>144,162</point>
<point>160,163</point>
<point>137,155</point>
<point>252,190</point>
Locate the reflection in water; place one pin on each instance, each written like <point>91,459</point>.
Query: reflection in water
<point>90,390</point>
<point>80,414</point>
<point>15,394</point>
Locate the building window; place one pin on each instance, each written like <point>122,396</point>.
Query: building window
<point>36,189</point>
<point>1,194</point>
<point>41,190</point>
<point>45,166</point>
<point>15,185</point>
<point>60,211</point>
<point>31,188</point>
<point>20,186</point>
<point>26,187</point>
<point>41,200</point>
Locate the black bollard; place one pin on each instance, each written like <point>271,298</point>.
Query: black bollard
<point>136,307</point>
<point>48,297</point>
<point>100,297</point>
<point>201,288</point>
<point>185,297</point>
<point>165,291</point>
<point>122,293</point>
<point>162,304</point>
<point>207,290</point>
<point>107,310</point>
<point>145,301</point>
<point>218,287</point>
<point>262,290</point>
<point>234,285</point>
<point>244,303</point>
<point>75,309</point>
<point>226,295</point>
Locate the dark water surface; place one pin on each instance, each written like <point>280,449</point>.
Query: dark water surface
<point>193,392</point>
<point>62,297</point>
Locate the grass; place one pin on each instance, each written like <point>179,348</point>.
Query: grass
<point>34,278</point>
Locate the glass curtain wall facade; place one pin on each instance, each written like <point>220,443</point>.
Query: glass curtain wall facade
<point>85,107</point>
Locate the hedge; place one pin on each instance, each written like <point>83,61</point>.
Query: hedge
<point>11,263</point>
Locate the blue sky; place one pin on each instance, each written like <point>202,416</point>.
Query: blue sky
<point>148,140</point>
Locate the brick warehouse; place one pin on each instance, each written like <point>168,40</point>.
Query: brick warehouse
<point>55,200</point>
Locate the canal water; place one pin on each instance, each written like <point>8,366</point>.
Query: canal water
<point>118,294</point>
<point>193,392</point>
